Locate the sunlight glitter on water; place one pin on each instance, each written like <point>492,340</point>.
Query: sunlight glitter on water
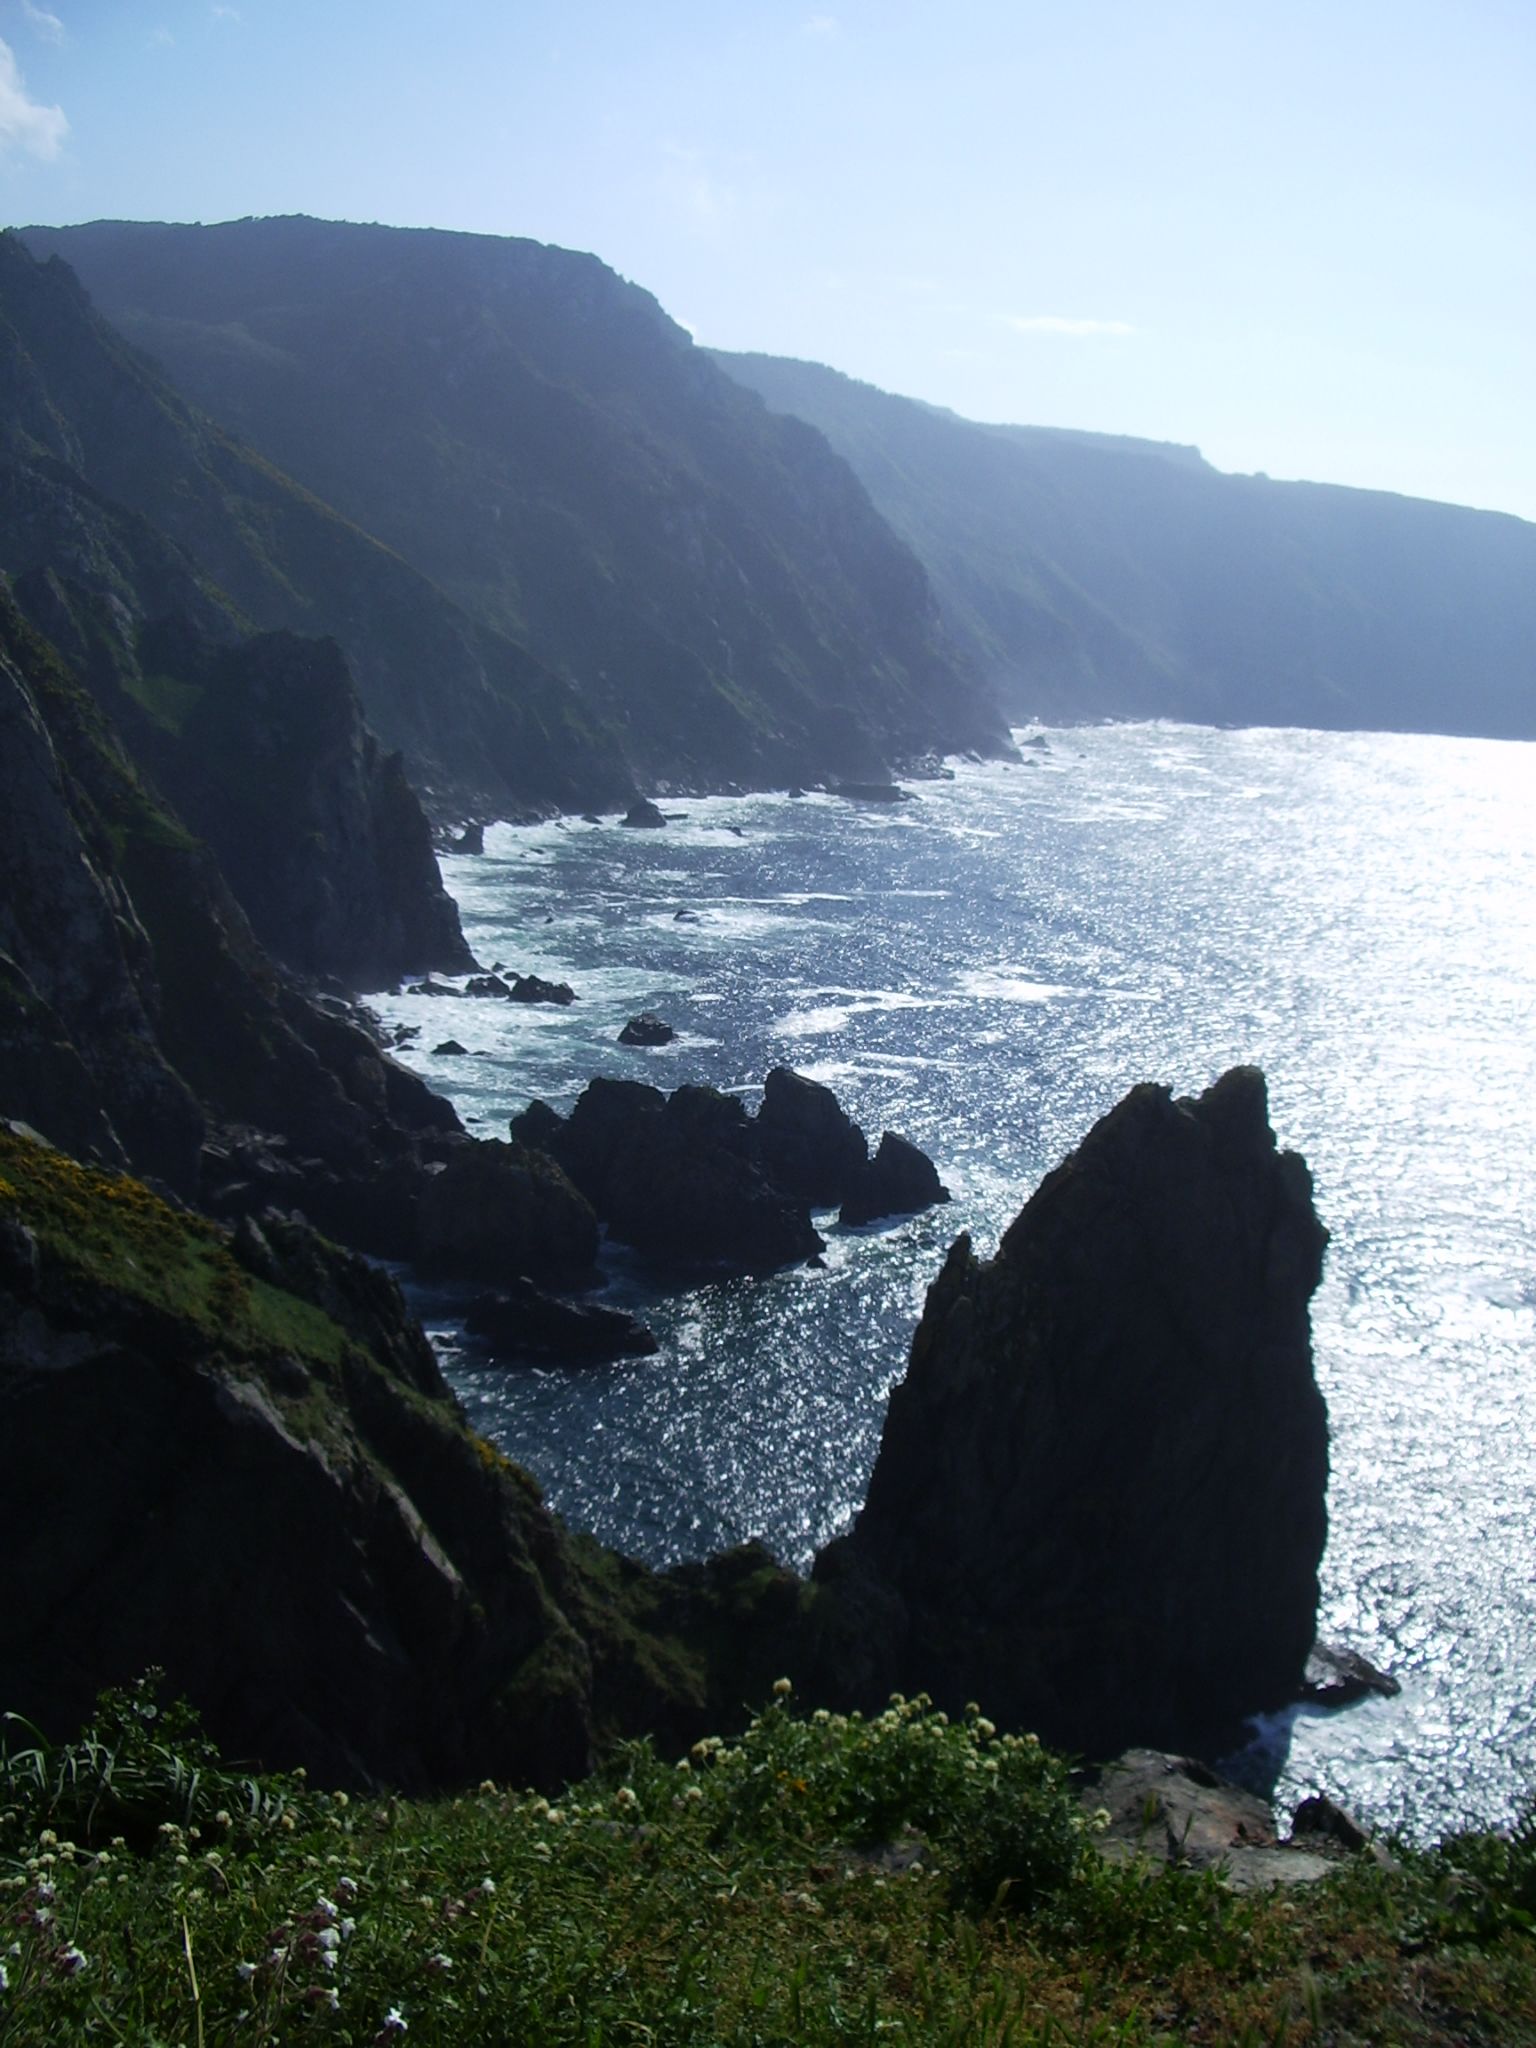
<point>987,970</point>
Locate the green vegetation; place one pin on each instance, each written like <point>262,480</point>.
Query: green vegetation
<point>108,1231</point>
<point>822,1879</point>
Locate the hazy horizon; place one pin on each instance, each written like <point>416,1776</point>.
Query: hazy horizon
<point>1302,246</point>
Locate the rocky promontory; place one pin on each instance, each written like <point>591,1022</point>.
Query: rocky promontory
<point>1099,1501</point>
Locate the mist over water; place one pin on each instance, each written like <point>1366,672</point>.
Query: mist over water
<point>987,970</point>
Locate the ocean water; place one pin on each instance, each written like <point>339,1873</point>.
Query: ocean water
<point>987,969</point>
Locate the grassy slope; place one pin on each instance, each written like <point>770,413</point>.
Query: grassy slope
<point>821,1880</point>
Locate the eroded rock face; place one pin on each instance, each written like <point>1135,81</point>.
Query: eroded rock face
<point>1098,1504</point>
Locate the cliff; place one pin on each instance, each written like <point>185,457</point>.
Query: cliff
<point>536,437</point>
<point>142,1021</point>
<point>1090,575</point>
<point>110,478</point>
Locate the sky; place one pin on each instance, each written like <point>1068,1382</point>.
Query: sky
<point>1301,236</point>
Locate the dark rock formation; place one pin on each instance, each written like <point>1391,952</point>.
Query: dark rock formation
<point>1337,1677</point>
<point>692,1178</point>
<point>262,750</point>
<point>872,792</point>
<point>676,1176</point>
<point>496,1211</point>
<point>644,816</point>
<point>450,1048</point>
<point>530,988</point>
<point>488,985</point>
<point>1099,1499</point>
<point>809,1145</point>
<point>523,1321</point>
<point>646,1029</point>
<point>899,1181</point>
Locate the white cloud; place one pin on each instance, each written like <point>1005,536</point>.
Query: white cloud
<point>220,12</point>
<point>820,25</point>
<point>1055,323</point>
<point>162,39</point>
<point>47,25</point>
<point>24,124</point>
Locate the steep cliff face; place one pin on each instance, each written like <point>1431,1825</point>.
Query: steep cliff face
<point>108,477</point>
<point>130,968</point>
<point>1098,1505</point>
<point>1093,575</point>
<point>537,437</point>
<point>261,748</point>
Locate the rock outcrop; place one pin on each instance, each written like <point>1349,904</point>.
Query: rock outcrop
<point>521,1320</point>
<point>1099,1501</point>
<point>899,1181</point>
<point>496,1212</point>
<point>691,1178</point>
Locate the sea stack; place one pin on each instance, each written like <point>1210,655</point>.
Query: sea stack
<point>1099,1501</point>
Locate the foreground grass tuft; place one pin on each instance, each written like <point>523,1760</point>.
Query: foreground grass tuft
<point>824,1878</point>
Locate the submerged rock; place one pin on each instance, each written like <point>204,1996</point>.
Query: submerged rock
<point>1099,1500</point>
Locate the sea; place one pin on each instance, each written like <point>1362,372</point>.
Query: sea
<point>987,968</point>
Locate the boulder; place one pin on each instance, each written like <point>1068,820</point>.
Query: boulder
<point>899,1181</point>
<point>523,1321</point>
<point>646,1029</point>
<point>530,988</point>
<point>809,1146</point>
<point>1099,1499</point>
<point>643,816</point>
<point>450,1047</point>
<point>1177,1812</point>
<point>487,985</point>
<point>496,1211</point>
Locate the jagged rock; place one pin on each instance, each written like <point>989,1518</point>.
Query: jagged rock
<point>496,1211</point>
<point>646,1029</point>
<point>428,987</point>
<point>529,988</point>
<point>685,917</point>
<point>643,816</point>
<point>536,1125</point>
<point>1099,1500</point>
<point>899,1181</point>
<point>1337,1677</point>
<point>449,1046</point>
<point>523,1321</point>
<point>487,985</point>
<point>810,1147</point>
<point>470,840</point>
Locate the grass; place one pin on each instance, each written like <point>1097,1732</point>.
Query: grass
<point>821,1879</point>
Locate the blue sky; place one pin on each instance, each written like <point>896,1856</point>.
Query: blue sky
<point>1302,236</point>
